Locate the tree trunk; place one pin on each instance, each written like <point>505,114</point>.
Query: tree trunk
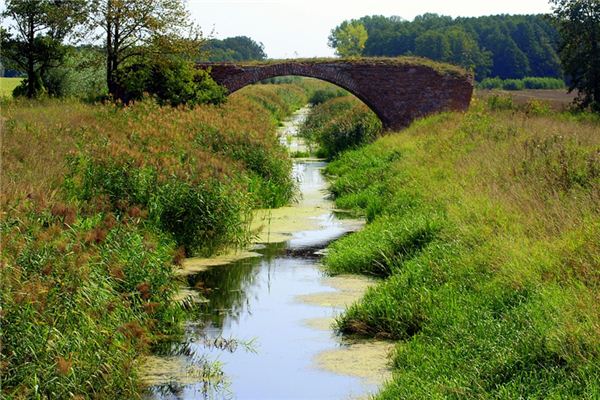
<point>31,78</point>
<point>110,67</point>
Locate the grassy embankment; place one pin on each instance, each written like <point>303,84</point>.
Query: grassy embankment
<point>98,204</point>
<point>484,228</point>
<point>338,122</point>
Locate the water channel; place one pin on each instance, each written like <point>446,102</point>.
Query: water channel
<point>266,314</point>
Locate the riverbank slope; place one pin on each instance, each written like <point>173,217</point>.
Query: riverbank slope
<point>484,230</point>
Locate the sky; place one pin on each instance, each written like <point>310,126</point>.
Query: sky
<point>299,28</point>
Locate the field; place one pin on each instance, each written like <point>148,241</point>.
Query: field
<point>7,85</point>
<point>558,100</point>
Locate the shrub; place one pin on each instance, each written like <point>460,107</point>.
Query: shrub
<point>544,83</point>
<point>513,84</point>
<point>520,84</point>
<point>340,124</point>
<point>498,102</point>
<point>320,96</point>
<point>173,82</point>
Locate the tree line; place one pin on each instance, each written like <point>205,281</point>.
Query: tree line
<point>117,48</point>
<point>504,46</point>
<point>562,45</point>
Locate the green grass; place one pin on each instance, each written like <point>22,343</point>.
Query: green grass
<point>7,85</point>
<point>484,227</point>
<point>339,123</point>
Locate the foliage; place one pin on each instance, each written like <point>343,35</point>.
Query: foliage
<point>579,26</point>
<point>142,29</point>
<point>238,48</point>
<point>499,297</point>
<point>339,124</point>
<point>40,28</point>
<point>82,75</point>
<point>505,46</point>
<point>348,39</point>
<point>173,82</point>
<point>520,84</point>
<point>97,202</point>
<point>320,96</point>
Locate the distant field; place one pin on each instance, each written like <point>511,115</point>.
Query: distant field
<point>557,99</point>
<point>7,85</point>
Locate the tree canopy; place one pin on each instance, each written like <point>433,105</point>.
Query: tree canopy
<point>238,48</point>
<point>579,26</point>
<point>33,43</point>
<point>349,39</point>
<point>137,31</point>
<point>505,46</point>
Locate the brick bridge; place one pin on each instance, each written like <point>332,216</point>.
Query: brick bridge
<point>398,90</point>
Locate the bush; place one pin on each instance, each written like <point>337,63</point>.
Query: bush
<point>513,84</point>
<point>83,76</point>
<point>520,84</point>
<point>173,82</point>
<point>491,83</point>
<point>340,124</point>
<point>544,83</point>
<point>498,102</point>
<point>320,96</point>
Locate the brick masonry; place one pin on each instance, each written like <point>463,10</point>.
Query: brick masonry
<point>397,93</point>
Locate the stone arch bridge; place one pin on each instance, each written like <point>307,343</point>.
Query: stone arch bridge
<point>398,90</point>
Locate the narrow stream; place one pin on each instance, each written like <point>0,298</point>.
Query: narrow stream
<point>266,314</point>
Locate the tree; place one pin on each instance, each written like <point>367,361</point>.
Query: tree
<point>349,39</point>
<point>578,22</point>
<point>434,45</point>
<point>40,27</point>
<point>511,45</point>
<point>238,48</point>
<point>143,29</point>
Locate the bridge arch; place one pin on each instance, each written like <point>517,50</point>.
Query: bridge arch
<point>398,90</point>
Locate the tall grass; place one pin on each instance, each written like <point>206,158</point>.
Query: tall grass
<point>99,203</point>
<point>484,227</point>
<point>339,123</point>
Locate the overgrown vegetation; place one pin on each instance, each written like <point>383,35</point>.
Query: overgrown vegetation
<point>521,84</point>
<point>484,228</point>
<point>99,202</point>
<point>579,28</point>
<point>339,123</point>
